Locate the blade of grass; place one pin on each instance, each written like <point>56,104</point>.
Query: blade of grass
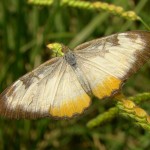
<point>86,32</point>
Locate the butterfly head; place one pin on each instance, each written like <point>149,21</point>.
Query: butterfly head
<point>58,49</point>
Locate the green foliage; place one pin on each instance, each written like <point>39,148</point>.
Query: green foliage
<point>26,29</point>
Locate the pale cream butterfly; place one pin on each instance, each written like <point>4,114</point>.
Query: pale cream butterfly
<point>63,86</point>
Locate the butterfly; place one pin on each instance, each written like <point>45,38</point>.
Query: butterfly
<point>63,86</point>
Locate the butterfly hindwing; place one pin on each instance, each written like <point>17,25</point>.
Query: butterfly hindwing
<point>70,98</point>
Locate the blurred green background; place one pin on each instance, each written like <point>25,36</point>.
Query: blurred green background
<point>24,32</point>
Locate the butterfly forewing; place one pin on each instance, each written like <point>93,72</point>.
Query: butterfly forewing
<point>50,90</point>
<point>27,97</point>
<point>109,61</point>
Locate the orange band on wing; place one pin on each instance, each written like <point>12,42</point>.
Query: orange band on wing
<point>71,107</point>
<point>106,87</point>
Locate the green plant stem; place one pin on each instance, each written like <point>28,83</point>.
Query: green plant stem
<point>140,117</point>
<point>144,23</point>
<point>125,112</point>
<point>117,10</point>
<point>41,2</point>
<point>109,115</point>
<point>140,97</point>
